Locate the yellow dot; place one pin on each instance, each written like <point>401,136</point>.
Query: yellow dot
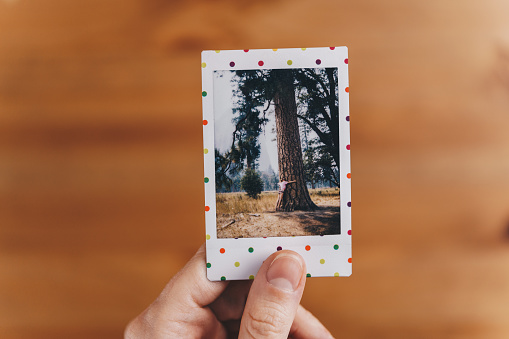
<point>237,264</point>
<point>251,277</point>
<point>303,49</point>
<point>322,261</point>
<point>203,65</point>
<point>289,62</point>
<point>207,237</point>
<point>217,51</point>
<point>336,274</point>
<point>205,150</point>
<point>275,49</point>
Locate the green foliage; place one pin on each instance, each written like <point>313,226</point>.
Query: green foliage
<point>252,183</point>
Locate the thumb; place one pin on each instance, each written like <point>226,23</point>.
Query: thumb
<point>274,297</point>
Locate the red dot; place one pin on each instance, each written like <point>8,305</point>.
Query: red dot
<point>349,175</point>
<point>207,208</point>
<point>308,247</point>
<point>348,147</point>
<point>205,122</point>
<point>349,232</point>
<point>260,63</point>
<point>350,260</point>
<point>222,250</point>
<point>246,50</point>
<point>332,48</point>
<point>232,64</point>
<point>347,89</point>
<point>346,61</point>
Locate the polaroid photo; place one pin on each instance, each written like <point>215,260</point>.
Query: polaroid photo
<point>277,159</point>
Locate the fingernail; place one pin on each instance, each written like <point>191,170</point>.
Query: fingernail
<point>285,272</point>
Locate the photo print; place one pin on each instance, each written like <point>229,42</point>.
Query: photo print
<point>276,140</point>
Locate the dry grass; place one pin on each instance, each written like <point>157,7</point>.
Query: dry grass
<point>234,203</point>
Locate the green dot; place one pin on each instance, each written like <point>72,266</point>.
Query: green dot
<point>208,265</point>
<point>303,49</point>
<point>204,94</point>
<point>289,62</point>
<point>205,150</point>
<point>206,180</point>
<point>250,249</point>
<point>336,247</point>
<point>237,264</point>
<point>336,274</point>
<point>217,51</point>
<point>251,277</point>
<point>207,237</point>
<point>223,278</point>
<point>308,275</point>
<point>203,65</point>
<point>322,261</point>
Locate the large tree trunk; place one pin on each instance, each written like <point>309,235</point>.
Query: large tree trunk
<point>291,167</point>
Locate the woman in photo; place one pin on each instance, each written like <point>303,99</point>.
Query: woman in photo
<point>282,187</point>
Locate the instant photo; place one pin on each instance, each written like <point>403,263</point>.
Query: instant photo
<point>277,159</point>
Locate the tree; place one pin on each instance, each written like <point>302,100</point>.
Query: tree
<point>252,183</point>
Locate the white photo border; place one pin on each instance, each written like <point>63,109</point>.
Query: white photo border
<point>240,258</point>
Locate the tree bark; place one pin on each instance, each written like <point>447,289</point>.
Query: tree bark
<point>291,166</point>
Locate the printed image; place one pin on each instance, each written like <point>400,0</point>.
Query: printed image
<point>277,152</point>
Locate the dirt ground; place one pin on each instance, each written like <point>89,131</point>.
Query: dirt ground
<point>323,221</point>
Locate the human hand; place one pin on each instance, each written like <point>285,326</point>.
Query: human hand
<point>191,306</point>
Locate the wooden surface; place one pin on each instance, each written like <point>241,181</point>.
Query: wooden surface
<point>101,159</point>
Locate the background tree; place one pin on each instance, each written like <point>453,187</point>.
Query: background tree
<point>257,91</point>
<point>252,183</point>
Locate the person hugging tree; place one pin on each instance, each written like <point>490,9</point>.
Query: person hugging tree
<point>282,187</point>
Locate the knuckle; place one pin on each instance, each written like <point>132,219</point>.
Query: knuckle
<point>266,321</point>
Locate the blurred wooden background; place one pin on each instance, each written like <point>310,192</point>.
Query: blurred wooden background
<point>101,178</point>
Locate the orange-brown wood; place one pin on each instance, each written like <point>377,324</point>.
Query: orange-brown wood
<point>101,184</point>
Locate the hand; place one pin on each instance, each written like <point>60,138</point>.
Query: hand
<point>191,306</point>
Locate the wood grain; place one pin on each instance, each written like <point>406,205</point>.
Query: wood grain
<point>101,196</point>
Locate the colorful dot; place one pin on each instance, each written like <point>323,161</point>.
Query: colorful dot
<point>318,61</point>
<point>322,261</point>
<point>205,150</point>
<point>246,50</point>
<point>207,208</point>
<point>336,246</point>
<point>308,275</point>
<point>332,48</point>
<point>349,175</point>
<point>217,51</point>
<point>307,247</point>
<point>208,265</point>
<point>289,62</point>
<point>303,49</point>
<point>222,250</point>
<point>203,65</point>
<point>232,64</point>
<point>251,277</point>
<point>205,122</point>
<point>347,118</point>
<point>279,248</point>
<point>336,274</point>
<point>346,61</point>
<point>349,204</point>
<point>274,49</point>
<point>206,180</point>
<point>260,63</point>
<point>347,89</point>
<point>264,237</point>
<point>348,147</point>
<point>237,264</point>
<point>350,260</point>
<point>349,232</point>
<point>223,278</point>
<point>204,94</point>
<point>207,237</point>
<point>250,249</point>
